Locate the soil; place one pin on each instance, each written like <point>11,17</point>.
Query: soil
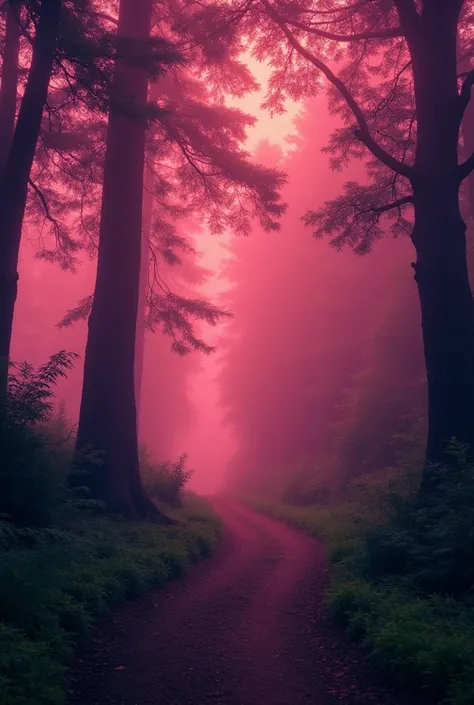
<point>246,627</point>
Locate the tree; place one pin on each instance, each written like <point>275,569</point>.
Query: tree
<point>63,39</point>
<point>9,84</point>
<point>17,166</point>
<point>107,419</point>
<point>393,78</point>
<point>197,147</point>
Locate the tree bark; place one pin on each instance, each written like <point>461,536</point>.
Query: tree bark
<point>468,144</point>
<point>147,213</point>
<point>9,87</point>
<point>447,309</point>
<point>15,175</point>
<point>441,271</point>
<point>107,419</point>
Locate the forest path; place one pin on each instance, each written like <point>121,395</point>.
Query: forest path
<point>247,627</point>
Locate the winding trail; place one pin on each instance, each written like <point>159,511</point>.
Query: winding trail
<point>247,627</point>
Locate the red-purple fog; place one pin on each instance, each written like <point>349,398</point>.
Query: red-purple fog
<point>236,323</point>
<point>308,322</point>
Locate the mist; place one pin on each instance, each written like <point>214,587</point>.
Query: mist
<point>308,321</point>
<point>236,328</point>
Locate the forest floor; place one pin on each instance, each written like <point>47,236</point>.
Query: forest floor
<point>248,627</point>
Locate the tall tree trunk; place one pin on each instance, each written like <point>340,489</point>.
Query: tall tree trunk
<point>439,237</point>
<point>107,420</point>
<point>15,175</point>
<point>468,135</point>
<point>9,87</point>
<point>147,214</point>
<point>468,140</point>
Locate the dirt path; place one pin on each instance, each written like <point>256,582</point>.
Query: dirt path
<point>246,628</point>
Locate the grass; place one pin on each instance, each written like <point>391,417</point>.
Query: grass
<point>422,639</point>
<point>56,584</point>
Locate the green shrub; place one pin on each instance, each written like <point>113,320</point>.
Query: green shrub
<point>402,575</point>
<point>166,481</point>
<point>62,568</point>
<point>431,542</point>
<point>53,591</point>
<point>32,479</point>
<point>28,674</point>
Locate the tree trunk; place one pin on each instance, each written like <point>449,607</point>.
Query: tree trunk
<point>15,175</point>
<point>447,309</point>
<point>9,88</point>
<point>468,136</point>
<point>468,139</point>
<point>107,420</point>
<point>147,213</point>
<point>441,271</point>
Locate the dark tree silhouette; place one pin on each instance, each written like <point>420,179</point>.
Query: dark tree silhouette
<point>107,419</point>
<point>9,84</point>
<point>17,167</point>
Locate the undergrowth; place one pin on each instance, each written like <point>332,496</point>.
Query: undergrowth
<point>63,566</point>
<point>55,584</point>
<point>402,577</point>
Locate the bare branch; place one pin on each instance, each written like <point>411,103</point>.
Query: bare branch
<point>363,132</point>
<point>357,37</point>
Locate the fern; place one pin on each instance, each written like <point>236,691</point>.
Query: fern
<point>34,448</point>
<point>30,393</point>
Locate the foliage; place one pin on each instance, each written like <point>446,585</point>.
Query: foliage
<point>31,454</point>
<point>165,482</point>
<point>431,542</point>
<point>52,591</point>
<point>62,568</point>
<point>401,575</point>
<point>30,393</point>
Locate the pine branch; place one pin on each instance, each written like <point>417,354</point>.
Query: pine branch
<point>363,132</point>
<point>391,206</point>
<point>44,203</point>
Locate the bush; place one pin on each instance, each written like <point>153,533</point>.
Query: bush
<point>32,478</point>
<point>430,543</point>
<point>165,481</point>
<point>53,591</point>
<point>60,568</point>
<point>402,575</point>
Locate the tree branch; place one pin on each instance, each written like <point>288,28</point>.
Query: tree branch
<point>361,36</point>
<point>390,206</point>
<point>363,132</point>
<point>44,202</point>
<point>465,168</point>
<point>104,16</point>
<point>465,93</point>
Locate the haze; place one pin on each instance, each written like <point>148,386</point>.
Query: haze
<point>237,409</point>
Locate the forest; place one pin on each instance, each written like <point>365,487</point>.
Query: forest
<point>236,324</point>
